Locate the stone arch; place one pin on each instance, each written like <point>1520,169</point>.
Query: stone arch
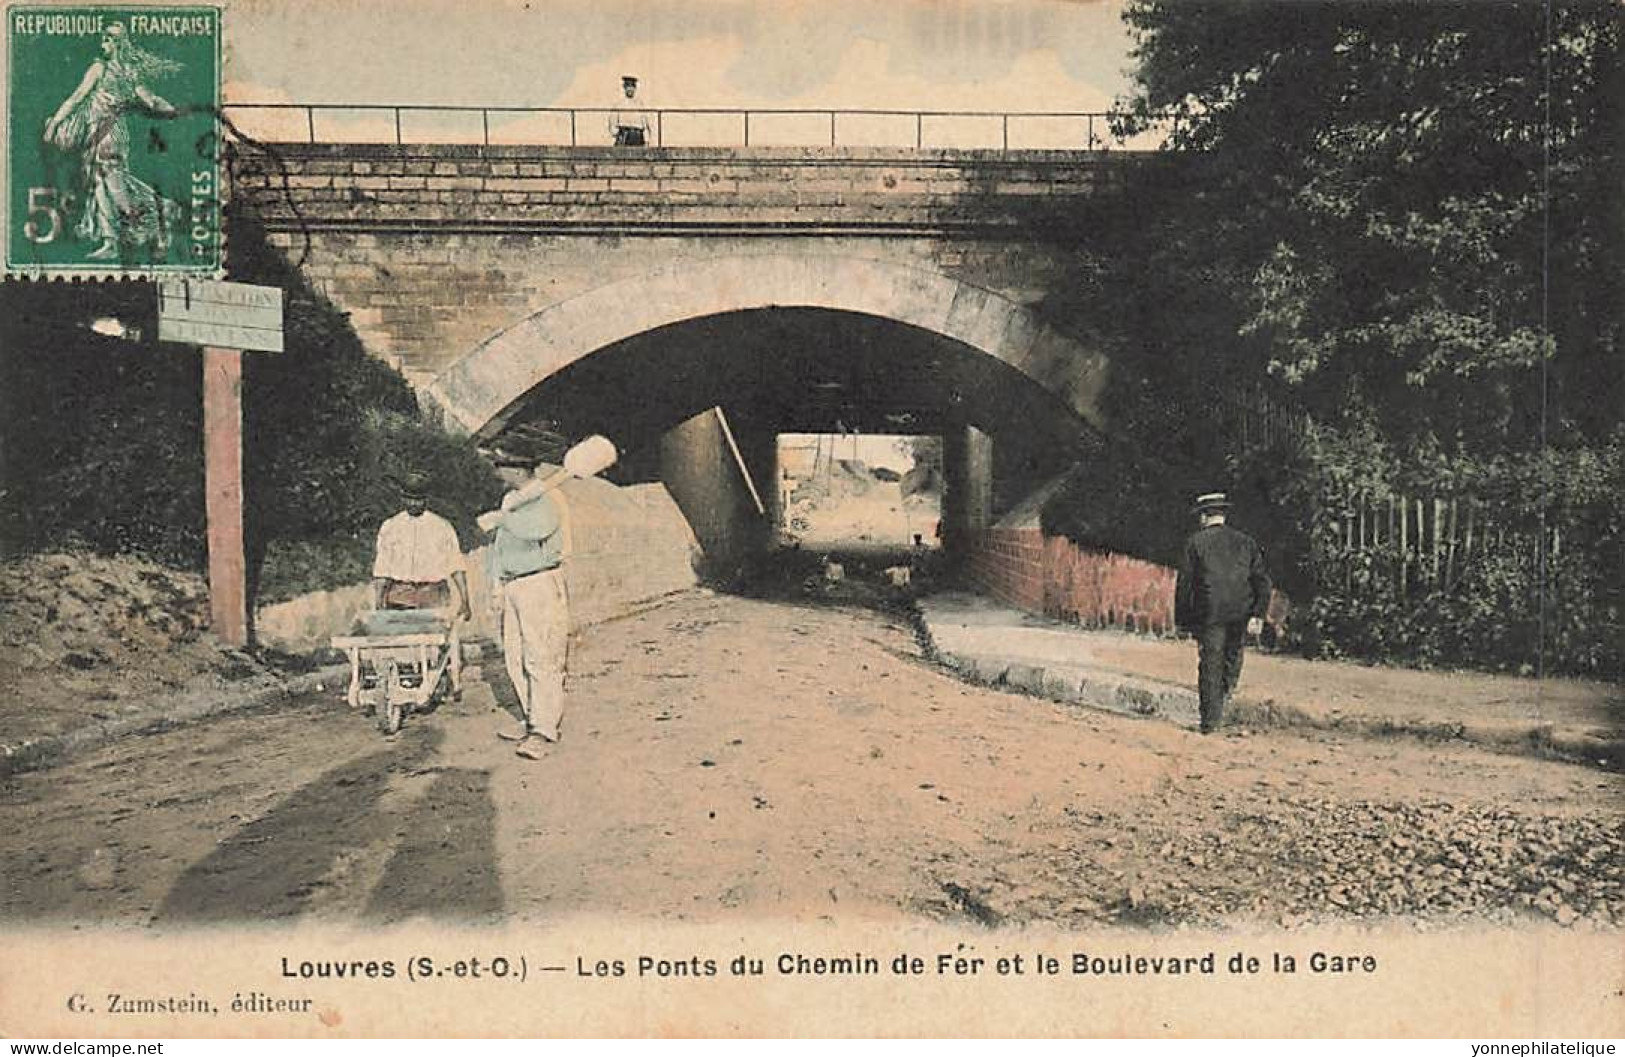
<point>481,389</point>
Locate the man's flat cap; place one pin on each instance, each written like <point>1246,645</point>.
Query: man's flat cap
<point>414,485</point>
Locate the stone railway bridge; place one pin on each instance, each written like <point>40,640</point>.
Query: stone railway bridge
<point>629,291</point>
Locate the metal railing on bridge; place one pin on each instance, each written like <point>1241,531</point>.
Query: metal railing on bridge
<point>691,127</point>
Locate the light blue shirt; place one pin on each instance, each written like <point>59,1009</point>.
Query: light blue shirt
<point>528,540</point>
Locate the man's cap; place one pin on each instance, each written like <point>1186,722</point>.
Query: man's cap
<point>508,457</point>
<point>1211,502</point>
<point>527,444</point>
<point>629,81</point>
<point>415,485</point>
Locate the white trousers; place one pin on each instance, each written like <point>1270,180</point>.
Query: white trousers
<point>535,646</point>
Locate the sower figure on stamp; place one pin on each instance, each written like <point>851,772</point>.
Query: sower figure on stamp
<point>527,582</point>
<point>1222,596</point>
<point>418,565</point>
<point>93,122</point>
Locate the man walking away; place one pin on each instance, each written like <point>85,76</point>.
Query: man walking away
<point>1222,596</point>
<point>527,569</point>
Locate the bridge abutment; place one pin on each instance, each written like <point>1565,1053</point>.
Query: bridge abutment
<point>487,274</point>
<point>967,498</point>
<point>705,475</point>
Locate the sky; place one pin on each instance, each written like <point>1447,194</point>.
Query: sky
<point>1034,55</point>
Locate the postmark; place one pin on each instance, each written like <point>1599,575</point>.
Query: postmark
<point>112,152</point>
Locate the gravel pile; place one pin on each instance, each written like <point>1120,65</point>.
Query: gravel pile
<point>88,637</point>
<point>1295,861</point>
<point>82,611</point>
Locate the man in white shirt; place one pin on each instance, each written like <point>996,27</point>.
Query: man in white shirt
<point>419,565</point>
<point>629,127</point>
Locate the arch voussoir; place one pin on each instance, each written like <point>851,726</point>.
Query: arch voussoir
<point>481,389</point>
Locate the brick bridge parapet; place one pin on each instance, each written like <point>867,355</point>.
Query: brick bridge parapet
<point>816,189</point>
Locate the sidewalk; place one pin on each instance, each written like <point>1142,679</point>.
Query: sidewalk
<point>998,645</point>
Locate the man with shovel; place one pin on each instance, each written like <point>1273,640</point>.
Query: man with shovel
<point>526,564</point>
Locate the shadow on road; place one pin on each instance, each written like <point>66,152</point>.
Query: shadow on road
<point>446,865</point>
<point>271,867</point>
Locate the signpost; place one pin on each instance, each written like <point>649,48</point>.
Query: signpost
<point>226,319</point>
<point>220,315</point>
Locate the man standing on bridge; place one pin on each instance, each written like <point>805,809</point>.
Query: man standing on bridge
<point>629,127</point>
<point>1222,596</point>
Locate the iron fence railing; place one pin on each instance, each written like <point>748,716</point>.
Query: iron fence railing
<point>703,126</point>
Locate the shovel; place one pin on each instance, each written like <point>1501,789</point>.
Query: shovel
<point>589,458</point>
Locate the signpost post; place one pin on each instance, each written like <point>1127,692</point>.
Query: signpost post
<point>226,319</point>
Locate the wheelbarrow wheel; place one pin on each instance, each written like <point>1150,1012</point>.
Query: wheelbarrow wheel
<point>394,710</point>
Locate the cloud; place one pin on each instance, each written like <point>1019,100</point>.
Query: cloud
<point>866,74</point>
<point>869,75</point>
<point>264,125</point>
<point>908,54</point>
<point>255,92</point>
<point>668,73</point>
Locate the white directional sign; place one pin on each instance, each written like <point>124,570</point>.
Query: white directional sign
<point>221,315</point>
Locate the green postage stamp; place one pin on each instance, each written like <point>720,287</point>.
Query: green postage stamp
<point>112,144</point>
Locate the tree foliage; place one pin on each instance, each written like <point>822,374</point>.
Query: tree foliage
<point>1439,188</point>
<point>1409,222</point>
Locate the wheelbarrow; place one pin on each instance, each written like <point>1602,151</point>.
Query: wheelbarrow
<point>400,659</point>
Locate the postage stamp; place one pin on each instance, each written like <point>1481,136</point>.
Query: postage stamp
<point>112,156</point>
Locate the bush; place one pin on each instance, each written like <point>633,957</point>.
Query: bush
<point>291,568</point>
<point>1499,614</point>
<point>1120,499</point>
<point>101,439</point>
<point>1507,605</point>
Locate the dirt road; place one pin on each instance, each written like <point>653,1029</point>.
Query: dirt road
<point>727,756</point>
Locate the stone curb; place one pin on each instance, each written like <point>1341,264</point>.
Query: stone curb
<point>1135,696</point>
<point>55,749</point>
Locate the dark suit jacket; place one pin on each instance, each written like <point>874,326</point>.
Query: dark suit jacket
<point>1222,579</point>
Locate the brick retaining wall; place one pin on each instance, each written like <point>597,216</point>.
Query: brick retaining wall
<point>1054,576</point>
